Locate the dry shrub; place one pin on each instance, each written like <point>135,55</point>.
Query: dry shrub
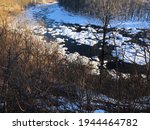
<point>28,70</point>
<point>31,73</point>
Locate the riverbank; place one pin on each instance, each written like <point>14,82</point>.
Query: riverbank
<point>38,75</point>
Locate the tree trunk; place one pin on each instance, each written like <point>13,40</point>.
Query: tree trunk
<point>102,55</point>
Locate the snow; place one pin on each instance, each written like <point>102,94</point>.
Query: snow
<point>57,18</point>
<point>75,57</point>
<point>59,40</point>
<point>145,40</point>
<point>58,14</point>
<point>130,24</point>
<point>132,53</point>
<point>84,37</point>
<point>127,51</point>
<point>115,76</point>
<point>53,12</point>
<point>133,30</point>
<point>100,111</point>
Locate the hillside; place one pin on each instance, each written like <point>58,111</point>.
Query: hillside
<point>53,59</point>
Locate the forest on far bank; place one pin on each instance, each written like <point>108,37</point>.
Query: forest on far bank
<point>119,9</point>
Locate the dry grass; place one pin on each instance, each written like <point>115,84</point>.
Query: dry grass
<point>15,6</point>
<point>10,6</point>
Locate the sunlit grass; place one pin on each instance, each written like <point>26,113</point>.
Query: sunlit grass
<point>13,6</point>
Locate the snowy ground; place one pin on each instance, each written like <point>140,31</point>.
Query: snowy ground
<point>53,12</point>
<point>63,26</point>
<point>77,34</point>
